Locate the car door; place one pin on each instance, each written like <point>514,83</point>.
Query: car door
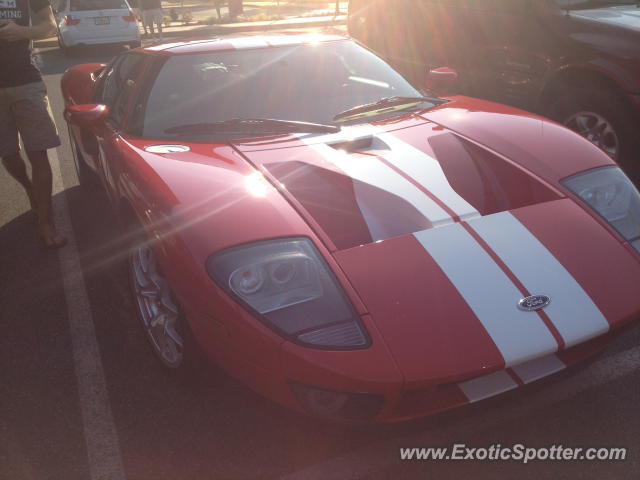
<point>115,91</point>
<point>512,50</point>
<point>418,35</point>
<point>85,138</point>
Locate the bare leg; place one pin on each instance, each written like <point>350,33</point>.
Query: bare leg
<point>42,185</point>
<point>18,170</point>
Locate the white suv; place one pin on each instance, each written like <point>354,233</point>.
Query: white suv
<point>94,22</point>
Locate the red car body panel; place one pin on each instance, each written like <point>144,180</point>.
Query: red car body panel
<point>459,348</point>
<point>429,351</point>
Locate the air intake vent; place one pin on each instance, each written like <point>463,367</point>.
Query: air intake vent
<point>342,334</point>
<point>352,146</point>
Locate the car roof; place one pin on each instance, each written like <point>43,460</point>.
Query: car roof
<point>203,45</point>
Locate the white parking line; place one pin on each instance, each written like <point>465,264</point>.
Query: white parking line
<point>101,438</point>
<point>381,455</point>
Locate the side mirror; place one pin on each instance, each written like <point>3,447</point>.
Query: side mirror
<point>86,116</point>
<point>442,80</point>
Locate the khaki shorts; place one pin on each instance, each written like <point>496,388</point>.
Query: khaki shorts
<point>25,110</point>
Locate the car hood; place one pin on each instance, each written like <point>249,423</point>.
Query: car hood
<point>374,182</point>
<point>442,223</point>
<point>627,16</point>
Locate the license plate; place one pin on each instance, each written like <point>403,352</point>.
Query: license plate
<point>102,20</point>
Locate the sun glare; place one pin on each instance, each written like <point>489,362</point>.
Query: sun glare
<point>256,184</point>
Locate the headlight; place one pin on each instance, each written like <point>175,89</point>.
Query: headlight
<point>611,194</point>
<point>289,286</point>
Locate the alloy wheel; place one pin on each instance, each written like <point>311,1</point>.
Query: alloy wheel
<point>597,129</point>
<point>158,311</point>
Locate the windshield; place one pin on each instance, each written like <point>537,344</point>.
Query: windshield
<point>578,4</point>
<point>306,83</point>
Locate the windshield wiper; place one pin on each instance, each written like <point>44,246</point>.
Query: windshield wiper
<point>384,103</point>
<point>250,126</point>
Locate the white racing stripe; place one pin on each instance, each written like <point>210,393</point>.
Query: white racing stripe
<point>385,220</point>
<point>519,336</point>
<point>286,40</point>
<point>371,171</point>
<point>487,386</point>
<point>347,134</point>
<point>427,171</point>
<point>247,42</point>
<point>571,310</point>
<point>539,368</point>
<point>496,383</point>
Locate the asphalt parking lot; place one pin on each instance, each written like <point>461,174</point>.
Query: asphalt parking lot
<point>82,397</point>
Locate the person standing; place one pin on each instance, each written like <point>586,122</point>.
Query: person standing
<point>135,4</point>
<point>24,107</point>
<point>152,13</point>
<point>235,8</point>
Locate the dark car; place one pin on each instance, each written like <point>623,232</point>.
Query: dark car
<point>576,61</point>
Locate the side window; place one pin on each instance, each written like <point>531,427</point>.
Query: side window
<point>107,90</point>
<point>118,83</point>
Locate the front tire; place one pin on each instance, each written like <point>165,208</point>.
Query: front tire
<point>604,119</point>
<point>163,321</point>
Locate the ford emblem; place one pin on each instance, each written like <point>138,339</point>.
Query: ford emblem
<point>534,303</point>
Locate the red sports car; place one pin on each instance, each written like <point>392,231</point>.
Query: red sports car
<point>343,242</point>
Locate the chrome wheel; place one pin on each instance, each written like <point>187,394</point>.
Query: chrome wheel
<point>158,311</point>
<point>597,129</point>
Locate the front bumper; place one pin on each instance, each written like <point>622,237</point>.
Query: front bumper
<point>404,404</point>
<point>418,403</point>
<point>72,39</point>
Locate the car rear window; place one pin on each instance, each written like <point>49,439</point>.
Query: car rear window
<point>82,5</point>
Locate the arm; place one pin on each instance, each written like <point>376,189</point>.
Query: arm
<point>44,25</point>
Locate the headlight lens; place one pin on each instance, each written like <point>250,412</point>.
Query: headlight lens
<point>277,281</point>
<point>611,194</point>
<point>290,286</point>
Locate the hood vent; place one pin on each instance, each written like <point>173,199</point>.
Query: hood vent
<point>365,144</point>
